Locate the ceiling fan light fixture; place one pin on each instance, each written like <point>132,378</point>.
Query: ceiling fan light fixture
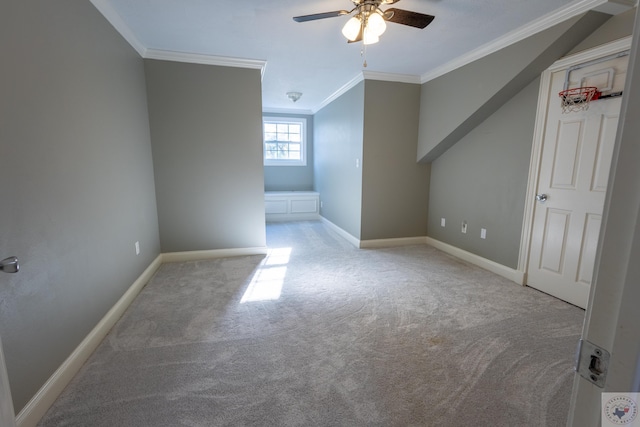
<point>369,21</point>
<point>369,37</point>
<point>352,28</point>
<point>376,24</point>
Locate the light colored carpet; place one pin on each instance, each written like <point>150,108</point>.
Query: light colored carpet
<point>319,333</point>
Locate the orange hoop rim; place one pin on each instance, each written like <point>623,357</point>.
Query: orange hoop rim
<point>580,94</point>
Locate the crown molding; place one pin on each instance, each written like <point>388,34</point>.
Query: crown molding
<point>391,77</point>
<point>367,75</point>
<point>110,14</point>
<point>302,112</point>
<point>573,9</point>
<point>196,58</point>
<point>547,21</point>
<point>341,91</point>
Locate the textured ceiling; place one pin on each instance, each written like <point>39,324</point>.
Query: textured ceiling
<point>313,57</point>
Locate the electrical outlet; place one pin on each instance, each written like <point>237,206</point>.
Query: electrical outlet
<point>483,233</point>
<point>464,227</point>
<point>137,248</point>
<point>442,222</point>
<point>321,204</point>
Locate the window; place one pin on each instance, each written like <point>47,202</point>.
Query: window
<point>284,141</point>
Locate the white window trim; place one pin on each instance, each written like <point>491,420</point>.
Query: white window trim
<point>303,145</point>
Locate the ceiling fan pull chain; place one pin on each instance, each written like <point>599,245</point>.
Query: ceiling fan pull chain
<point>363,53</point>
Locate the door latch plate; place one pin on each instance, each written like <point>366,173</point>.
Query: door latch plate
<point>592,362</point>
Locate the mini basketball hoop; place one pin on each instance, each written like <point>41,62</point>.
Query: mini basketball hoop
<point>577,99</point>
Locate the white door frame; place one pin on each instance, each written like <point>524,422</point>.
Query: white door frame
<point>538,136</point>
<point>612,315</point>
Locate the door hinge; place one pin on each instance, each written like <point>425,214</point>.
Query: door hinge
<point>592,362</point>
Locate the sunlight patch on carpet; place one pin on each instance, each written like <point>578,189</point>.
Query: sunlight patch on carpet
<point>266,283</point>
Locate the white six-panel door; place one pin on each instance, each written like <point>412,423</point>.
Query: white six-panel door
<point>574,170</point>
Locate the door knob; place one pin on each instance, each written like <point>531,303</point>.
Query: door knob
<point>10,265</point>
<point>541,198</point>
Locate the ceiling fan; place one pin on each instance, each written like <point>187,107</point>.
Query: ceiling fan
<point>369,21</point>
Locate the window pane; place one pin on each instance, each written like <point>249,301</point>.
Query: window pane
<point>283,141</point>
<point>295,128</point>
<point>295,137</point>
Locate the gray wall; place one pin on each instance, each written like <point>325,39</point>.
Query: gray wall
<point>615,28</point>
<point>455,103</point>
<point>483,180</point>
<point>292,178</point>
<point>76,165</point>
<point>77,178</point>
<point>338,139</point>
<point>395,189</point>
<point>206,130</point>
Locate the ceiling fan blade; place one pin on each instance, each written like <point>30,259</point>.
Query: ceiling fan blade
<point>313,17</point>
<point>405,17</point>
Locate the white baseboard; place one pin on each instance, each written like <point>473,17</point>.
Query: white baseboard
<point>211,254</point>
<point>386,243</point>
<point>375,243</point>
<point>487,264</point>
<point>292,217</point>
<point>35,409</point>
<point>353,240</point>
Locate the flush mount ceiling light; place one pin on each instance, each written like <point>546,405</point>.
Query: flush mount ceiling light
<point>294,96</point>
<point>369,21</point>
